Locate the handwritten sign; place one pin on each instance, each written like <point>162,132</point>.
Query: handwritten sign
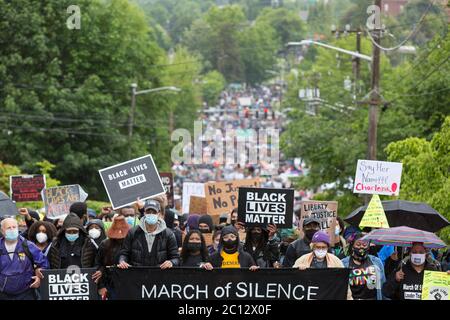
<point>58,200</point>
<point>378,177</point>
<point>222,197</point>
<point>167,181</point>
<point>26,187</point>
<point>436,286</point>
<point>324,211</point>
<point>191,189</point>
<point>374,216</point>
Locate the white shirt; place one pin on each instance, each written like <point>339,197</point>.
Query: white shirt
<point>11,248</point>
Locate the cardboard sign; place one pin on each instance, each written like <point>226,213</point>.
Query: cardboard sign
<point>191,189</point>
<point>374,216</point>
<point>378,177</point>
<point>324,211</point>
<point>167,181</point>
<point>127,181</point>
<point>263,206</point>
<point>68,284</point>
<point>436,286</point>
<point>222,197</point>
<point>197,205</point>
<point>26,187</point>
<point>58,200</point>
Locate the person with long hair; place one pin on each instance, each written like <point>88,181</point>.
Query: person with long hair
<point>194,252</point>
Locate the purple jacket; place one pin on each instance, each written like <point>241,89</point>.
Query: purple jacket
<point>15,274</point>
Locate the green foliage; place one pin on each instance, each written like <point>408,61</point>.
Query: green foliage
<point>7,170</point>
<point>45,169</point>
<point>212,86</point>
<point>426,175</point>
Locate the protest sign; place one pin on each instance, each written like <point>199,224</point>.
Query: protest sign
<point>197,205</point>
<point>436,285</point>
<point>167,181</point>
<point>222,197</point>
<point>324,211</point>
<point>68,284</point>
<point>57,200</point>
<point>26,187</point>
<point>127,181</point>
<point>263,206</point>
<point>191,189</point>
<point>378,177</point>
<point>374,216</point>
<point>142,283</point>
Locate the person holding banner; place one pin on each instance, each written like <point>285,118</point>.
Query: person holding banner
<point>367,272</point>
<point>18,258</point>
<point>108,255</point>
<point>41,233</point>
<point>405,283</point>
<point>150,243</point>
<point>194,252</point>
<point>263,245</point>
<point>231,254</point>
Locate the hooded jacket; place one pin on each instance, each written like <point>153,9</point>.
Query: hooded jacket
<point>245,259</point>
<point>15,274</point>
<point>266,254</point>
<point>83,244</point>
<point>142,248</point>
<point>96,242</point>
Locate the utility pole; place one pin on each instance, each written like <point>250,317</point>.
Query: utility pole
<point>131,117</point>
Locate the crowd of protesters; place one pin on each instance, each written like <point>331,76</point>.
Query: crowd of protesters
<point>145,235</point>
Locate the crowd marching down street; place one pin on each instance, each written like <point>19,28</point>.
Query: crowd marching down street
<point>172,231</point>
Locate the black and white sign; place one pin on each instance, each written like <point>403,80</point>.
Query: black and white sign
<point>142,283</point>
<point>263,206</point>
<point>127,181</point>
<point>68,284</point>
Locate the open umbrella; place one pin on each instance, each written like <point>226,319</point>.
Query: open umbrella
<point>404,237</point>
<point>405,213</point>
<point>7,206</point>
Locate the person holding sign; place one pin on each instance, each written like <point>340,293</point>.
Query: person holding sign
<point>231,254</point>
<point>18,256</point>
<point>367,271</point>
<point>263,245</point>
<point>150,243</point>
<point>406,282</point>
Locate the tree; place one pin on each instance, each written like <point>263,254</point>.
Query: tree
<point>425,175</point>
<point>213,84</point>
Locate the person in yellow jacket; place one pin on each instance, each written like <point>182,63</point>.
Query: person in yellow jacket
<point>320,258</point>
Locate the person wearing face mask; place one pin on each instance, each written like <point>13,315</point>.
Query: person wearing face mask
<point>194,252</point>
<point>96,231</point>
<point>21,263</point>
<point>71,246</point>
<point>214,247</point>
<point>41,233</point>
<point>205,224</point>
<point>405,283</point>
<point>231,254</point>
<point>263,245</point>
<point>170,218</point>
<point>150,243</point>
<point>320,258</point>
<point>340,245</point>
<point>301,246</point>
<point>366,276</point>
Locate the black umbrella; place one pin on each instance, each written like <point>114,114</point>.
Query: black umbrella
<point>405,213</point>
<point>7,206</point>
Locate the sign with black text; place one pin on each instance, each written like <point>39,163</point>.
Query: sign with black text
<point>143,283</point>
<point>263,206</point>
<point>167,181</point>
<point>127,181</point>
<point>58,200</point>
<point>68,284</point>
<point>26,187</point>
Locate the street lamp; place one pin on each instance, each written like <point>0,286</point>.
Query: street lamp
<point>135,93</point>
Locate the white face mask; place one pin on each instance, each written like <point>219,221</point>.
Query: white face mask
<point>41,237</point>
<point>418,259</point>
<point>94,233</point>
<point>320,253</point>
<point>337,230</point>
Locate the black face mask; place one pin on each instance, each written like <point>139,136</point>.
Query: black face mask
<point>256,236</point>
<point>230,246</point>
<point>206,230</point>
<point>360,254</point>
<point>194,247</point>
<point>309,234</point>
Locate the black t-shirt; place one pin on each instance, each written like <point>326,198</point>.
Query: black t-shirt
<point>192,261</point>
<point>316,264</point>
<point>362,280</point>
<point>411,285</point>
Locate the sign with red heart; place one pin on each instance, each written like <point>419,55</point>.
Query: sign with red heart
<point>378,177</point>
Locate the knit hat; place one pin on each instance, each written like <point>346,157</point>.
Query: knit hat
<point>192,221</point>
<point>72,221</point>
<point>208,220</point>
<point>79,208</point>
<point>321,236</point>
<point>119,228</point>
<point>97,222</point>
